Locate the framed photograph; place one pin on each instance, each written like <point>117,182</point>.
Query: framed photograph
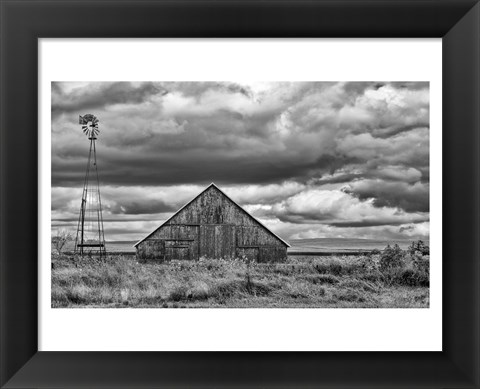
<point>285,189</point>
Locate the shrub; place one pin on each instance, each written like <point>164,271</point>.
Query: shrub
<point>369,263</point>
<point>392,258</point>
<point>418,247</point>
<point>199,291</point>
<point>336,268</point>
<point>177,294</point>
<point>411,277</point>
<point>410,267</point>
<point>61,238</point>
<point>321,268</point>
<point>261,289</point>
<point>407,277</point>
<point>421,263</point>
<point>227,289</point>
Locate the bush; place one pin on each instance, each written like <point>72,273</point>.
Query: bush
<point>369,263</point>
<point>418,247</point>
<point>392,258</point>
<point>421,263</point>
<point>61,238</point>
<point>177,294</point>
<point>336,268</point>
<point>321,268</point>
<point>411,277</point>
<point>407,277</point>
<point>199,291</point>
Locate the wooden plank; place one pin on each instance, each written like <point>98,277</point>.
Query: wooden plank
<point>207,241</point>
<point>261,246</point>
<point>179,239</point>
<point>177,253</point>
<point>217,224</point>
<point>230,242</point>
<point>184,224</point>
<point>167,239</point>
<point>249,253</point>
<point>272,254</point>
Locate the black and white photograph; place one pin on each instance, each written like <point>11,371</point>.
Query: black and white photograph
<point>240,194</point>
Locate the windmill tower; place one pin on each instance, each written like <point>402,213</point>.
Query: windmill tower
<point>90,238</point>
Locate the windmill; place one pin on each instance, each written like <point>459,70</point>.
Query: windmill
<point>90,237</point>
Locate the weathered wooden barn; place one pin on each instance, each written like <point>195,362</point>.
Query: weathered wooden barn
<point>212,225</point>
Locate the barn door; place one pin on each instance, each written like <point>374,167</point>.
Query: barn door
<point>224,241</point>
<point>207,241</point>
<point>217,241</point>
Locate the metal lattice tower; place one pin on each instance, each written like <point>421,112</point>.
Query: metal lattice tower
<point>90,237</point>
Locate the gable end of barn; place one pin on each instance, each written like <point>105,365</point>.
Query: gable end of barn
<point>212,225</point>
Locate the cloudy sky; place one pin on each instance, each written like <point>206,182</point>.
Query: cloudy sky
<point>309,159</point>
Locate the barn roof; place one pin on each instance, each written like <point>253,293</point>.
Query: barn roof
<point>197,196</point>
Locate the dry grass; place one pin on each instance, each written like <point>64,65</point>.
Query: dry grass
<point>320,282</point>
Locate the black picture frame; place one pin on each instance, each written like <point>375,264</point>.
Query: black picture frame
<point>457,22</point>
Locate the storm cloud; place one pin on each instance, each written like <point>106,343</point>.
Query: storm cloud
<point>300,156</point>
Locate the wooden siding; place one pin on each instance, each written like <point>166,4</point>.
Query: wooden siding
<point>212,226</point>
<point>248,252</point>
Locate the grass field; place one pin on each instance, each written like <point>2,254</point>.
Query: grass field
<point>393,278</point>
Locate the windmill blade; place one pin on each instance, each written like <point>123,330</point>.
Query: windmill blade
<point>89,124</point>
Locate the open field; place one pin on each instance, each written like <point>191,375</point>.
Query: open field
<point>388,279</point>
<point>317,246</point>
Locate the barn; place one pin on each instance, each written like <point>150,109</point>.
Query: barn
<point>212,225</point>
